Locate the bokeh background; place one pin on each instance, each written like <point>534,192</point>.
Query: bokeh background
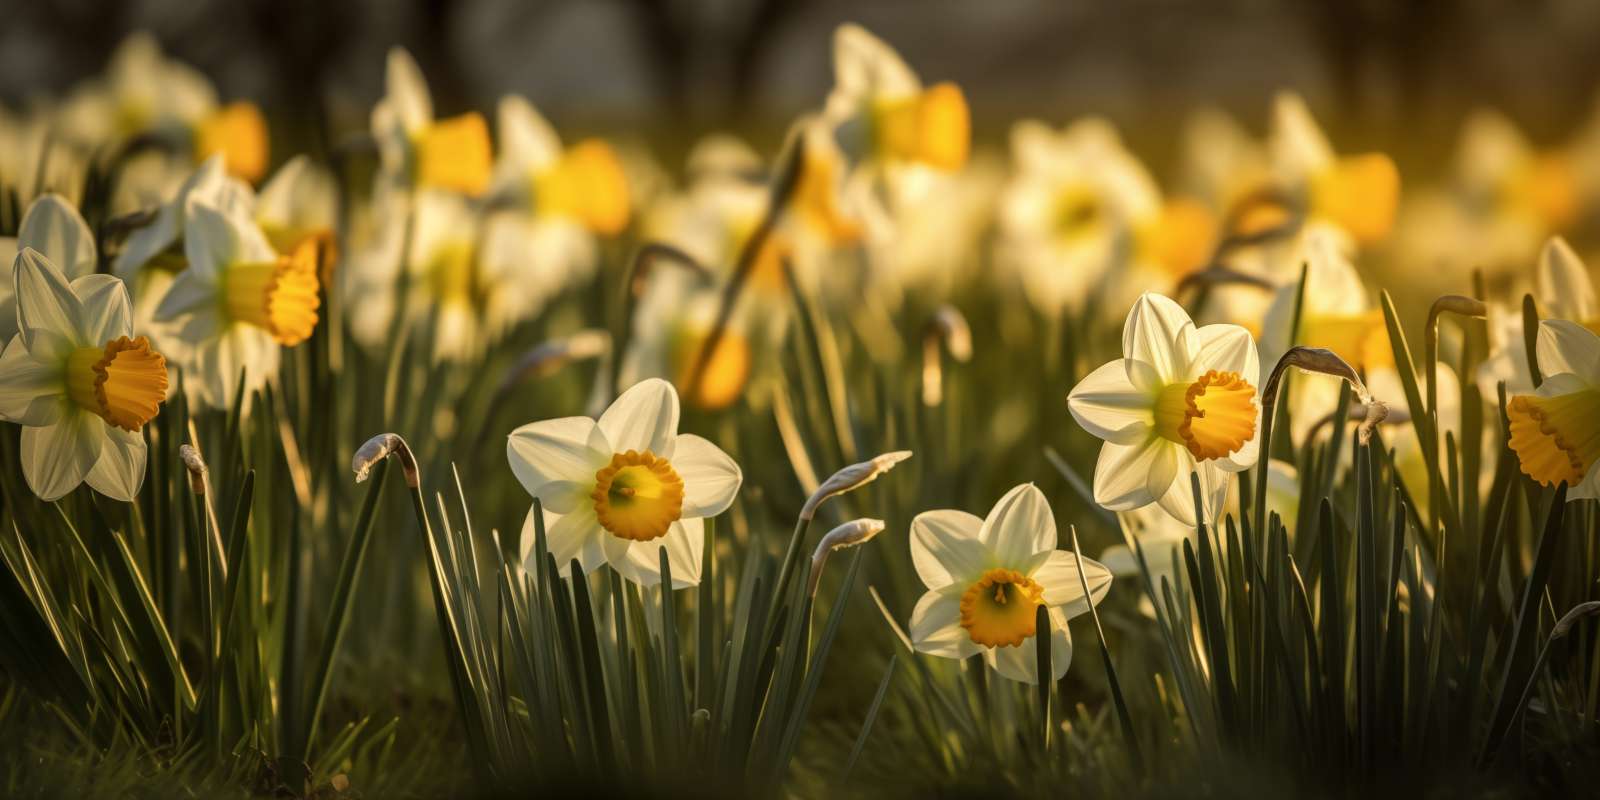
<point>1380,73</point>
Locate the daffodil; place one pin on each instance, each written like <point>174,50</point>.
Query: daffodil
<point>619,489</point>
<point>987,578</point>
<point>236,304</point>
<point>1555,431</point>
<point>1182,400</point>
<point>299,204</point>
<point>672,323</point>
<point>57,231</point>
<point>78,382</point>
<point>1564,291</point>
<point>881,112</point>
<point>1335,313</point>
<point>1080,207</point>
<point>419,151</point>
<point>583,184</point>
<point>1358,193</point>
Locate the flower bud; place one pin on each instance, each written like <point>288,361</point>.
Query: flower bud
<point>849,534</point>
<point>850,478</point>
<point>380,447</point>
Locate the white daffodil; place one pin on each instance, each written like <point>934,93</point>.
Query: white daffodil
<point>235,304</point>
<point>986,579</point>
<point>1357,193</point>
<point>583,185</point>
<point>300,203</point>
<point>619,489</point>
<point>417,150</point>
<point>1564,291</point>
<point>1555,431</point>
<point>881,112</point>
<point>57,231</point>
<point>1181,400</point>
<point>1080,206</point>
<point>671,323</point>
<point>1337,314</point>
<point>144,93</point>
<point>78,383</point>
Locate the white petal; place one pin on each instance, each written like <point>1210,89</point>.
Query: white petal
<point>107,311</point>
<point>567,449</point>
<point>684,543</point>
<point>1021,663</point>
<point>1563,282</point>
<point>1179,497</point>
<point>710,476</point>
<point>1158,334</point>
<point>187,293</point>
<point>1058,576</point>
<point>119,472</point>
<point>1227,348</point>
<point>1129,476</point>
<point>945,548</point>
<point>527,140</point>
<point>45,304</point>
<point>1565,346</point>
<point>644,418</point>
<point>56,458</point>
<point>936,625</point>
<point>54,228</point>
<point>406,89</point>
<point>1110,407</point>
<point>567,536</point>
<point>210,242</point>
<point>31,393</point>
<point>1019,526</point>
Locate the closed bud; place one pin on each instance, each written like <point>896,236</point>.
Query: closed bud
<point>851,478</point>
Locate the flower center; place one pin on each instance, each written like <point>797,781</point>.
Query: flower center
<point>125,382</point>
<point>1078,213</point>
<point>1360,339</point>
<point>587,184</point>
<point>279,297</point>
<point>454,154</point>
<point>1360,194</point>
<point>1213,417</point>
<point>998,609</point>
<point>724,375</point>
<point>933,127</point>
<point>239,133</point>
<point>1556,439</point>
<point>637,496</point>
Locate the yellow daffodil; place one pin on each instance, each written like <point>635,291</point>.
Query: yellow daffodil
<point>418,151</point>
<point>987,578</point>
<point>78,381</point>
<point>236,304</point>
<point>1358,193</point>
<point>1555,431</point>
<point>619,489</point>
<point>881,111</point>
<point>1181,400</point>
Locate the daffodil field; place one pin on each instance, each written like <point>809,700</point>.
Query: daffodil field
<point>460,456</point>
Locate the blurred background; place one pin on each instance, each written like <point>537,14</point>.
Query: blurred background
<point>1396,75</point>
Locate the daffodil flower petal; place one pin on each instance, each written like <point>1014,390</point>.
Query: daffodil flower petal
<point>57,230</point>
<point>1178,500</point>
<point>407,91</point>
<point>1133,475</point>
<point>187,294</point>
<point>565,449</point>
<point>684,542</point>
<point>1227,348</point>
<point>1058,576</point>
<point>107,311</point>
<point>1019,526</point>
<point>936,625</point>
<point>1110,407</point>
<point>45,304</point>
<point>31,393</point>
<point>1021,663</point>
<point>56,458</point>
<point>645,417</point>
<point>1160,334</point>
<point>710,476</point>
<point>945,548</point>
<point>1563,282</point>
<point>119,472</point>
<point>1565,346</point>
<point>567,536</point>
